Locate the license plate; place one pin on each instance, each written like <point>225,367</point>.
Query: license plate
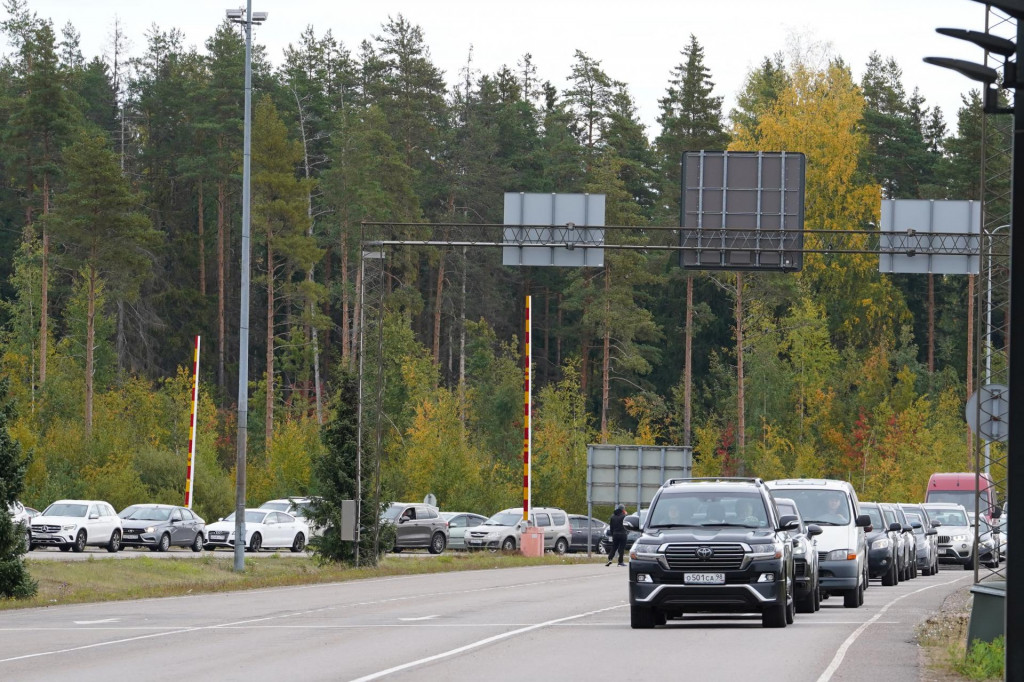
<point>704,578</point>
<point>41,536</point>
<point>476,542</point>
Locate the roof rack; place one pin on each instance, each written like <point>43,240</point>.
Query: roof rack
<point>723,479</point>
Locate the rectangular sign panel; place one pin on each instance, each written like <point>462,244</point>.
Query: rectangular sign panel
<point>631,474</point>
<point>742,211</point>
<point>554,229</point>
<point>923,228</point>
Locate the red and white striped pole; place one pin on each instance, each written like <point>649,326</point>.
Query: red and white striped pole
<point>526,421</point>
<point>190,474</point>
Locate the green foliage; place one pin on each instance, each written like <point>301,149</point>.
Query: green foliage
<point>14,578</point>
<point>984,660</point>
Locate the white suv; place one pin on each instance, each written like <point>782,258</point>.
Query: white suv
<point>74,524</point>
<point>19,515</point>
<point>503,530</point>
<point>297,507</point>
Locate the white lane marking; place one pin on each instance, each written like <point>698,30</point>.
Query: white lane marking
<point>186,630</point>
<point>477,644</point>
<point>96,622</point>
<point>418,618</point>
<point>837,660</point>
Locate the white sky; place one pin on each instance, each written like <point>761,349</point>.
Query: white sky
<point>637,42</point>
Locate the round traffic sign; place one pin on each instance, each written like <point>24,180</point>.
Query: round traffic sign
<point>987,412</point>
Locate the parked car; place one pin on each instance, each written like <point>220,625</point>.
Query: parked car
<point>161,526</point>
<point>842,550</point>
<point>583,527</point>
<point>19,515</point>
<point>805,558</point>
<point>264,529</point>
<point>989,541</point>
<point>895,519</point>
<point>927,557</point>
<point>956,535</point>
<point>417,526</point>
<point>883,546</point>
<point>927,543</point>
<point>76,524</point>
<point>299,508</point>
<point>458,524</point>
<point>712,545</point>
<point>504,529</point>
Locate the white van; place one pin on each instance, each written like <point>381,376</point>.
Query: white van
<point>842,554</point>
<point>503,530</point>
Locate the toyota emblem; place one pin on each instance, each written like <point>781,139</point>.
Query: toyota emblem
<point>705,553</point>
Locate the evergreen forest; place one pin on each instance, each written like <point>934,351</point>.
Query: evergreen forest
<point>120,241</point>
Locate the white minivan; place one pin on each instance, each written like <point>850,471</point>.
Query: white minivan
<point>842,552</point>
<point>503,530</point>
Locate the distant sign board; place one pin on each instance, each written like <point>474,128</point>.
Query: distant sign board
<point>631,474</point>
<point>922,227</point>
<point>742,210</point>
<point>554,229</point>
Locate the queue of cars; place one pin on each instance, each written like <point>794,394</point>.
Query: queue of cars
<point>743,545</point>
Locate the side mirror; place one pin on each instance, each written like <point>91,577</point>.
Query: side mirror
<point>403,519</point>
<point>931,531</point>
<point>907,529</point>
<point>936,524</point>
<point>916,524</point>
<point>863,521</point>
<point>220,518</point>
<point>93,516</point>
<point>788,522</point>
<point>813,529</point>
<point>895,527</point>
<point>632,522</point>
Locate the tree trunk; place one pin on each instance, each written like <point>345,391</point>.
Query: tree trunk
<point>741,440</point>
<point>606,355</point>
<point>438,300</point>
<point>547,333</point>
<point>221,332</point>
<point>90,336</point>
<point>202,245</point>
<point>931,323</point>
<point>270,345</point>
<point>688,368</point>
<point>584,364</point>
<point>462,343</point>
<point>44,303</point>
<point>348,343</point>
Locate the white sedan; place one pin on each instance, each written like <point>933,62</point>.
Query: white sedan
<point>264,528</point>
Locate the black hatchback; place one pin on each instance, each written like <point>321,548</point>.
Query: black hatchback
<point>161,526</point>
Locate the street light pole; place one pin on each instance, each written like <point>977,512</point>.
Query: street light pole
<point>243,323</point>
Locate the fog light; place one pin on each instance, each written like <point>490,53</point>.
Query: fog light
<point>766,578</point>
<point>643,578</point>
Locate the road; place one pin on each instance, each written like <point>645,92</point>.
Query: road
<point>535,623</point>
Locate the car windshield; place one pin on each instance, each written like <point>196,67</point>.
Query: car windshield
<point>701,508</point>
<point>276,506</point>
<point>819,505</point>
<point>250,516</point>
<point>150,514</point>
<point>951,517</point>
<point>964,497</point>
<point>66,510</point>
<point>874,515</point>
<point>392,512</point>
<point>504,519</point>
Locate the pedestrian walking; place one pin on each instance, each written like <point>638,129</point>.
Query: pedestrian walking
<point>618,533</point>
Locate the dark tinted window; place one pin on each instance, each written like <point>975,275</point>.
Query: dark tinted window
<point>890,517</point>
<point>873,514</point>
<point>425,513</point>
<point>176,515</point>
<point>542,519</point>
<point>457,521</point>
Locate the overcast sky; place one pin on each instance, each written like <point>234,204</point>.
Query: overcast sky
<point>637,41</point>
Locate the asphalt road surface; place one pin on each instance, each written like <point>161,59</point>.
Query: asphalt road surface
<point>537,623</point>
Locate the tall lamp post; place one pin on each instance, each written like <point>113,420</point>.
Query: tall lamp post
<point>247,20</point>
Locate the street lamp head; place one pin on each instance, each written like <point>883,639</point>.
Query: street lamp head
<point>259,17</point>
<point>987,41</point>
<point>976,72</point>
<point>235,14</point>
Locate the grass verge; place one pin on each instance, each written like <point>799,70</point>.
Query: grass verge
<point>97,580</point>
<point>943,638</point>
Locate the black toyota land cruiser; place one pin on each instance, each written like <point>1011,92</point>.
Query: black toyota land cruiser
<point>713,545</point>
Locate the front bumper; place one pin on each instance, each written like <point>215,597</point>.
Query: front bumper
<point>959,553</point>
<point>879,562</point>
<point>803,581</point>
<point>139,539</point>
<point>839,576</point>
<point>741,593</point>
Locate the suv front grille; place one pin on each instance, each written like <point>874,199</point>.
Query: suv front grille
<point>944,539</point>
<point>800,568</point>
<point>45,528</point>
<point>684,556</point>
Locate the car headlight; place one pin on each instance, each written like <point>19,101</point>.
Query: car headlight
<point>960,538</point>
<point>799,550</point>
<point>69,527</point>
<point>769,551</point>
<point>840,555</point>
<point>644,552</point>
<point>150,529</point>
<point>880,543</point>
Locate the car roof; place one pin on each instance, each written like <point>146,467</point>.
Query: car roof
<point>79,502</point>
<point>811,483</point>
<point>943,505</point>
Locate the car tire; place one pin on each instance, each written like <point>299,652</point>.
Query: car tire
<point>197,544</point>
<point>968,565</point>
<point>210,548</point>
<point>641,617</point>
<point>817,598</point>
<point>890,579</point>
<point>255,544</point>
<point>32,547</point>
<point>851,598</point>
<point>437,543</point>
<point>660,617</point>
<point>561,546</point>
<point>164,544</point>
<point>115,542</point>
<point>299,543</point>
<point>774,616</point>
<point>806,605</point>
<point>509,545</point>
<point>80,541</point>
<point>65,548</point>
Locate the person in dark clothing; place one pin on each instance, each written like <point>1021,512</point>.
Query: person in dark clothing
<point>618,533</point>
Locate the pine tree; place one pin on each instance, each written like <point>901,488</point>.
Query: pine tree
<point>15,580</point>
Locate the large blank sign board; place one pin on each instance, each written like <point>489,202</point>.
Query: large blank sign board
<point>925,229</point>
<point>631,474</point>
<point>554,229</point>
<point>742,211</point>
